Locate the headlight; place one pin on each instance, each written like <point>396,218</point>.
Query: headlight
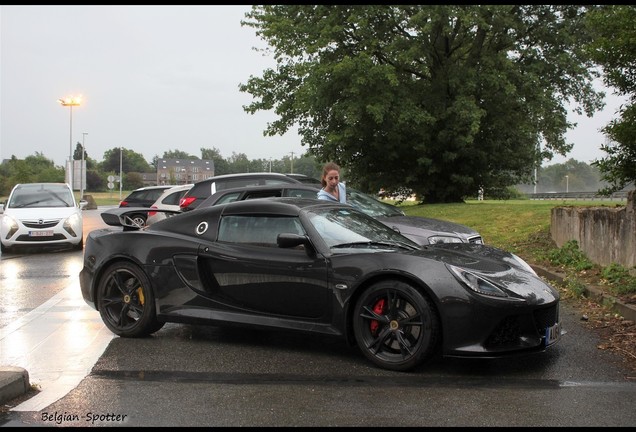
<point>443,239</point>
<point>476,283</point>
<point>70,222</point>
<point>9,225</point>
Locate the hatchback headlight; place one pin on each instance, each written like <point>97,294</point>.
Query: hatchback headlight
<point>9,225</point>
<point>70,222</point>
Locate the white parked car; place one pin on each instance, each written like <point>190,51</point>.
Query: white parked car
<point>41,214</point>
<point>169,200</point>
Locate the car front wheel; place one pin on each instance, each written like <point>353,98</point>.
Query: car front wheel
<point>126,302</point>
<point>396,327</point>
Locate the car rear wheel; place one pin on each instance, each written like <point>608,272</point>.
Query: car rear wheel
<point>396,326</point>
<point>139,220</point>
<point>126,302</point>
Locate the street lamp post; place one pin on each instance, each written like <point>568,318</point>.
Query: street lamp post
<point>121,176</point>
<point>82,166</point>
<point>70,101</point>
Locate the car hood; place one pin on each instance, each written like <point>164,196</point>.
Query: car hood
<point>45,212</point>
<point>416,225</point>
<point>496,265</point>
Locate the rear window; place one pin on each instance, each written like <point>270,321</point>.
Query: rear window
<point>241,182</point>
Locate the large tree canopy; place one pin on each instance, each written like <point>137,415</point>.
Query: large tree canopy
<point>440,99</point>
<point>614,48</point>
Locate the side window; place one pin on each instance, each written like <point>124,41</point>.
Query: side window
<point>173,198</point>
<point>230,197</point>
<point>263,194</point>
<point>302,193</point>
<point>257,230</point>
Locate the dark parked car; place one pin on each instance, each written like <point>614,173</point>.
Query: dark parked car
<point>143,197</point>
<point>203,189</point>
<point>419,229</point>
<point>322,267</point>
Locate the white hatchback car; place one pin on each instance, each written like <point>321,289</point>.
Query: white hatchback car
<point>169,200</point>
<point>41,214</point>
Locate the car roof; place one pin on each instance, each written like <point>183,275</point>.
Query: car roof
<point>154,187</point>
<point>246,189</point>
<point>39,184</point>
<point>239,175</point>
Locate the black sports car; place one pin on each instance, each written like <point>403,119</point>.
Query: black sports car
<point>315,266</point>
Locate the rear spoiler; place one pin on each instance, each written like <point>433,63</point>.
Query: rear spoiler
<point>122,216</point>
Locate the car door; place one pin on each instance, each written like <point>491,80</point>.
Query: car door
<point>247,271</point>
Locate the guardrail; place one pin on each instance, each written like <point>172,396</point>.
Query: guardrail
<point>616,196</point>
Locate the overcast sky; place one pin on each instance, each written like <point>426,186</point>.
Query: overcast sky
<point>152,79</point>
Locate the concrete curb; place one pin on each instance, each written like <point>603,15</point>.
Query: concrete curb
<point>14,381</point>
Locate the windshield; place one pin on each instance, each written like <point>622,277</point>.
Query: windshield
<point>371,206</point>
<point>41,195</point>
<point>342,226</point>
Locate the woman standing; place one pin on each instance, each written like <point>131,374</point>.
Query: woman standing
<point>332,188</point>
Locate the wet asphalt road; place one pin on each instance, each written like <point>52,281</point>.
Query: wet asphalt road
<point>209,376</point>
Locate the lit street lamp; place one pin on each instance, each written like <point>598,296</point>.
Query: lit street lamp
<point>70,101</point>
<point>82,166</point>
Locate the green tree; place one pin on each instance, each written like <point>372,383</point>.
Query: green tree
<point>614,48</point>
<point>133,180</point>
<point>440,99</point>
<point>34,168</point>
<point>221,166</point>
<point>131,161</point>
<point>178,154</point>
<point>77,154</point>
<point>239,163</point>
<point>307,165</point>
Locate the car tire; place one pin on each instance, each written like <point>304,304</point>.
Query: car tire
<point>139,220</point>
<point>126,301</point>
<point>396,326</point>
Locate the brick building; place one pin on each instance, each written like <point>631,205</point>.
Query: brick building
<point>183,171</point>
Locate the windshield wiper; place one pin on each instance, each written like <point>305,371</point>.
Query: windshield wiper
<point>391,244</point>
<point>28,204</point>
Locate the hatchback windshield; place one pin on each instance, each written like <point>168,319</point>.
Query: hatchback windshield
<point>39,195</point>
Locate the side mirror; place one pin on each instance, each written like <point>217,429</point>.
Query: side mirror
<point>82,204</point>
<point>289,240</point>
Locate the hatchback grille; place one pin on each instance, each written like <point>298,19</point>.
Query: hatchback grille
<point>48,223</point>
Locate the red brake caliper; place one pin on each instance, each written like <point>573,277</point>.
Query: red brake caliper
<point>378,308</point>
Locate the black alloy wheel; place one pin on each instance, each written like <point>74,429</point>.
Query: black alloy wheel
<point>396,327</point>
<point>126,302</point>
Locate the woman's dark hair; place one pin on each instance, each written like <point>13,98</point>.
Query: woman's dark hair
<point>329,166</point>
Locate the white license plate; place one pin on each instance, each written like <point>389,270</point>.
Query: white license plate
<point>552,334</point>
<point>46,233</point>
